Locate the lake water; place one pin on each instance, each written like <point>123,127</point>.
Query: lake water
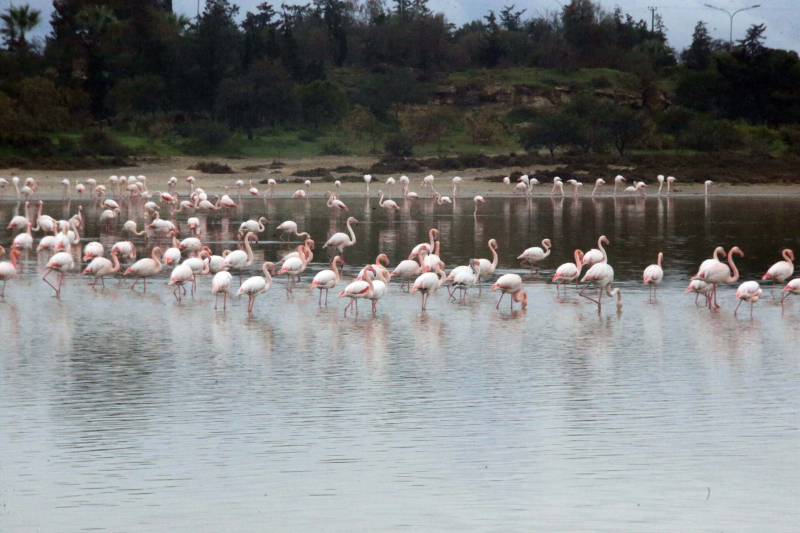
<point>129,412</point>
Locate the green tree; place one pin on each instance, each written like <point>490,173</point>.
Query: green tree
<point>698,55</point>
<point>551,130</point>
<point>17,22</point>
<point>138,96</point>
<point>321,102</point>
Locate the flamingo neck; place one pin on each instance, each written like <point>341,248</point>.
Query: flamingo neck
<point>335,270</point>
<point>250,251</point>
<point>494,255</point>
<point>352,233</point>
<point>602,250</point>
<point>578,257</point>
<point>115,263</point>
<point>660,257</point>
<point>787,257</point>
<point>735,271</point>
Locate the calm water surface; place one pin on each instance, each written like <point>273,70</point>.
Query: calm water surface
<point>128,412</point>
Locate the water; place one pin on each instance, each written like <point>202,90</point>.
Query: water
<point>129,412</point>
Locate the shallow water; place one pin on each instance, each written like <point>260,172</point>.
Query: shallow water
<point>130,412</point>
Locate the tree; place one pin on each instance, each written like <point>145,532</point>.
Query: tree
<point>321,102</point>
<point>429,123</point>
<point>625,125</point>
<point>753,42</point>
<point>261,97</point>
<point>698,55</point>
<point>390,92</point>
<point>511,20</point>
<point>18,21</point>
<point>360,123</point>
<point>549,130</point>
<point>138,96</point>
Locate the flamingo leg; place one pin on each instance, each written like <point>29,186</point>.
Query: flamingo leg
<point>500,300</point>
<point>44,278</point>
<point>145,286</point>
<point>737,308</point>
<point>216,299</point>
<point>3,292</point>
<point>480,286</point>
<point>783,297</point>
<point>225,301</point>
<point>751,310</point>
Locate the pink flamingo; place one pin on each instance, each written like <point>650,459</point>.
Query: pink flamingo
<point>568,272</point>
<point>429,283</point>
<point>238,260</point>
<point>535,254</point>
<point>181,275</point>
<point>221,284</point>
<point>749,292</point>
<point>294,266</point>
<point>409,268</point>
<point>290,227</point>
<point>8,269</point>
<point>428,247</point>
<point>601,275</point>
<point>595,255</point>
<point>511,284</point>
<point>487,267</point>
<point>326,280</point>
<point>717,273</point>
<point>340,241</point>
<point>100,267</point>
<point>61,263</point>
<point>145,268</point>
<point>793,287</point>
<point>256,285</point>
<point>782,270</point>
<point>358,290</point>
<point>653,276</point>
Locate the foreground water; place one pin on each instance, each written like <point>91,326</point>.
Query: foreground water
<point>128,412</point>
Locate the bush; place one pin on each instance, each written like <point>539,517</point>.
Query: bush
<point>101,143</point>
<point>67,146</point>
<point>709,135</point>
<point>307,137</point>
<point>761,140</point>
<point>332,148</point>
<point>481,129</point>
<point>204,136</point>
<point>212,167</point>
<point>399,145</point>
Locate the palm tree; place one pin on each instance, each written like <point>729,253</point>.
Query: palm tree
<point>18,21</point>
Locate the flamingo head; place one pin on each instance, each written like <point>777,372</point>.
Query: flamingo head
<point>524,299</point>
<point>310,244</point>
<point>604,240</point>
<point>736,250</point>
<point>479,200</point>
<point>493,244</point>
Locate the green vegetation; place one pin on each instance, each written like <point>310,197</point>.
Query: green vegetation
<point>119,80</point>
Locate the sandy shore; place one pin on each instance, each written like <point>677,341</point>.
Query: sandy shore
<point>475,181</point>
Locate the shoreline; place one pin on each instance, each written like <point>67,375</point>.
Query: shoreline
<point>351,169</point>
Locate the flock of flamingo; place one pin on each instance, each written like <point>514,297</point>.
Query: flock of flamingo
<point>190,258</point>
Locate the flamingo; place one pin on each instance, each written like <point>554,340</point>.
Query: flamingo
<point>124,249</point>
<point>253,191</point>
<point>486,267</point>
<point>595,255</point>
<point>92,250</point>
<point>108,215</point>
<point>23,241</point>
<point>181,275</point>
<point>309,244</point>
<point>80,188</point>
<point>717,273</point>
<point>601,275</point>
<point>252,226</point>
<point>288,228</point>
<point>239,260</point>
<point>653,276</point>
<point>557,185</point>
<point>338,185</point>
<point>359,289</point>
<point>340,241</point>
<point>715,259</point>
<point>670,181</point>
<point>699,287</point>
<point>575,186</point>
<point>173,254</point>
<point>428,283</point>
<point>215,262</point>
<point>389,205</point>
<point>145,268</point>
<point>294,266</point>
<point>299,194</point>
<point>326,280</point>
<point>409,268</point>
<point>617,181</point>
<point>334,203</point>
<point>192,245</point>
<point>793,287</point>
<point>507,180</point>
<point>707,183</point>
<point>239,184</point>
<point>464,278</point>
<point>431,260</point>
<point>271,183</point>
<point>380,270</point>
<point>19,222</point>
<point>456,186</point>
<point>200,266</point>
<point>226,201</point>
<point>367,179</point>
<point>441,200</point>
<point>782,270</point>
<point>749,292</point>
<point>597,184</point>
<point>511,284</point>
<point>61,263</point>
<point>660,179</point>
<point>390,185</point>
<point>427,181</point>
<point>568,272</point>
<point>428,247</point>
<point>48,242</point>
<point>8,269</point>
<point>379,288</point>
<point>194,226</point>
<point>43,222</point>
<point>15,182</point>
<point>101,267</point>
<point>130,227</point>
<point>221,284</point>
<point>477,201</point>
<point>535,254</point>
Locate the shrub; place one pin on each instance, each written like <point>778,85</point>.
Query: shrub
<point>67,146</point>
<point>204,136</point>
<point>212,167</point>
<point>481,128</point>
<point>761,140</point>
<point>709,135</point>
<point>332,148</point>
<point>307,137</point>
<point>101,143</point>
<point>399,145</point>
